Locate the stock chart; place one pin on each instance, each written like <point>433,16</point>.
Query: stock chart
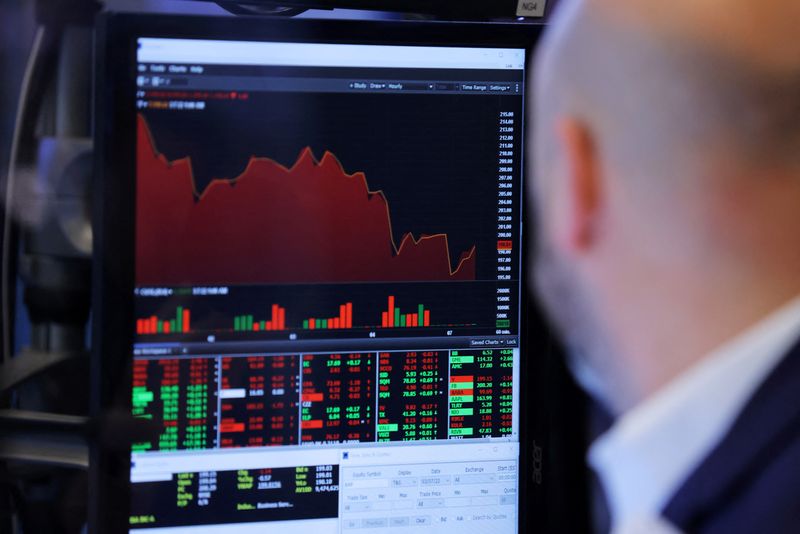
<point>330,231</point>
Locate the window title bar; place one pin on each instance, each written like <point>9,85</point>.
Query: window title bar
<point>215,52</point>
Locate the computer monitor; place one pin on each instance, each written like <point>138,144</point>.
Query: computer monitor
<point>311,250</point>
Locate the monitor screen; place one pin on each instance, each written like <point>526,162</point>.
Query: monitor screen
<point>328,284</point>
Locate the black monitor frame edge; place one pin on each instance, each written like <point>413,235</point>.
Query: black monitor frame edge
<point>113,211</point>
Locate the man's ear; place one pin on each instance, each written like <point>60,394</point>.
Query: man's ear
<point>582,188</point>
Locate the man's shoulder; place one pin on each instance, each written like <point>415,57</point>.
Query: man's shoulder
<point>750,481</point>
<point>768,501</point>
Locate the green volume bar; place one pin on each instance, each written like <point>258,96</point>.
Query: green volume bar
<point>242,323</point>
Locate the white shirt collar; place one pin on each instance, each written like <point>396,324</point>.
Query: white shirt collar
<point>652,449</point>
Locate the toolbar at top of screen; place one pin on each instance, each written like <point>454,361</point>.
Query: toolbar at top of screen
<point>217,52</point>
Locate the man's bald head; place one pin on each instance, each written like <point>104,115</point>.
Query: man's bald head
<point>668,84</point>
<point>667,179</point>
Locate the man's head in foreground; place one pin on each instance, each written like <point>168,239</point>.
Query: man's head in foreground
<point>666,181</point>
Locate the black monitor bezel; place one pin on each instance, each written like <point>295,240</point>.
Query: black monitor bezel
<point>114,190</point>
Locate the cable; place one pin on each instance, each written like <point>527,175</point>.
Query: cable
<point>7,287</point>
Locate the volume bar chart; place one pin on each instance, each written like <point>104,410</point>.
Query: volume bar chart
<point>393,317</point>
<point>277,322</point>
<point>180,324</point>
<point>388,313</point>
<point>343,321</point>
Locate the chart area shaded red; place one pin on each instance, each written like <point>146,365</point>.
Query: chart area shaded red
<point>311,223</point>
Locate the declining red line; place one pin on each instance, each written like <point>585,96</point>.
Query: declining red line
<point>304,154</point>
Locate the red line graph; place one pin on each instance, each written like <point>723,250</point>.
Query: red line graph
<point>308,223</point>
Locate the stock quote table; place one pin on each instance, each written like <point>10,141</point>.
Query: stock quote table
<point>254,401</point>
